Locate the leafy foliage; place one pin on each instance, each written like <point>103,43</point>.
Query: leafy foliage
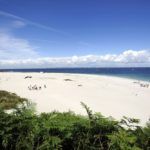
<point>24,129</point>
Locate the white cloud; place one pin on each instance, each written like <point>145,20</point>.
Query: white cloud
<point>35,24</point>
<point>14,48</point>
<point>131,56</point>
<point>127,59</point>
<point>18,24</point>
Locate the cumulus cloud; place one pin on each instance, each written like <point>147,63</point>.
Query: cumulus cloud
<point>131,56</point>
<point>128,58</point>
<point>14,48</point>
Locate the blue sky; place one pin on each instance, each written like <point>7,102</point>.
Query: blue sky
<point>91,30</point>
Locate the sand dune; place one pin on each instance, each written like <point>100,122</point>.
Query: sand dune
<point>112,96</point>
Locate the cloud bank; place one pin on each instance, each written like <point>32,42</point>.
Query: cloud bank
<point>128,58</point>
<point>19,53</point>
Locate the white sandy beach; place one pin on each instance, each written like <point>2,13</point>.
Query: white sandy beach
<point>112,96</point>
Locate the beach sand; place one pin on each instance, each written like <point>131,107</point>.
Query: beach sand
<point>112,96</point>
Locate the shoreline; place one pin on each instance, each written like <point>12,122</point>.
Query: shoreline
<point>92,74</point>
<point>133,73</point>
<point>112,96</point>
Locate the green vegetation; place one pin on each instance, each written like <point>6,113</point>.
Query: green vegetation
<point>23,129</point>
<point>10,100</point>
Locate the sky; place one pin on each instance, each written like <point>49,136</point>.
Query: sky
<point>74,33</point>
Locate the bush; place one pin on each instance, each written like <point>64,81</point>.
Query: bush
<point>10,100</point>
<point>24,129</point>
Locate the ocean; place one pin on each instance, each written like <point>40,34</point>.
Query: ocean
<point>132,73</point>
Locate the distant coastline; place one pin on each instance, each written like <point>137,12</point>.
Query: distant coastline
<point>137,73</point>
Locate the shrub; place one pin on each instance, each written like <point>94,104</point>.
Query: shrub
<point>24,129</point>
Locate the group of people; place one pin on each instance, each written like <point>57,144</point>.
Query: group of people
<point>35,87</point>
<point>142,84</point>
